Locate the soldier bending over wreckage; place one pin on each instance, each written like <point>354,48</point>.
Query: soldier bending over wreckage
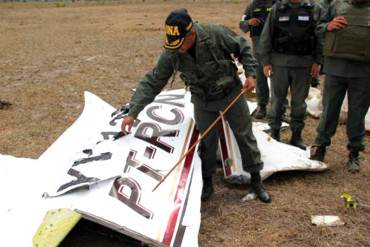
<point>202,53</point>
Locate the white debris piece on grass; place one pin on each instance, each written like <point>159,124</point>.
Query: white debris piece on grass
<point>249,197</point>
<point>315,107</point>
<point>314,104</point>
<point>326,220</point>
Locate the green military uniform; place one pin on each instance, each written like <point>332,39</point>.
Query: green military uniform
<point>258,9</point>
<point>325,4</point>
<point>213,81</point>
<point>347,69</point>
<point>289,44</point>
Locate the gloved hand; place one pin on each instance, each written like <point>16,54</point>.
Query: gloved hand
<point>337,23</point>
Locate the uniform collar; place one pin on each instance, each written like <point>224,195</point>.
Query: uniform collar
<point>202,35</point>
<point>302,3</point>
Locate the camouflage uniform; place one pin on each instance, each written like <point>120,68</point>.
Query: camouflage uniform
<point>258,9</point>
<point>212,78</point>
<point>347,69</point>
<point>289,44</point>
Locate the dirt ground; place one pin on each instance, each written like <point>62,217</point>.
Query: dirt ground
<point>50,55</point>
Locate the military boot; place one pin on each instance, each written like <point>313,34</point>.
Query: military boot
<point>315,81</point>
<point>261,112</point>
<point>318,153</point>
<point>296,140</point>
<point>275,133</point>
<point>258,188</point>
<point>207,190</point>
<point>353,163</point>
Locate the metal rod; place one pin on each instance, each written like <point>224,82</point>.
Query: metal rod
<point>201,137</point>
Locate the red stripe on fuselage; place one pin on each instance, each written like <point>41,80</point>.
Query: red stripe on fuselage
<point>180,193</point>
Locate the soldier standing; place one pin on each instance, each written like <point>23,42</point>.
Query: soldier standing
<point>291,53</point>
<point>202,53</point>
<point>346,26</point>
<point>253,21</point>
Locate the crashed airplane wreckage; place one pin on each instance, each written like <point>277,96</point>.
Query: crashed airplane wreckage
<point>110,181</point>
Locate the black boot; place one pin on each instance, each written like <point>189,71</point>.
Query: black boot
<point>296,139</point>
<point>261,112</point>
<point>353,163</point>
<point>315,82</point>
<point>318,153</point>
<point>258,188</point>
<point>207,190</point>
<point>275,133</point>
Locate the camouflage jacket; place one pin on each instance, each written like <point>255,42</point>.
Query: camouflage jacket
<point>211,75</point>
<point>339,66</point>
<point>269,56</point>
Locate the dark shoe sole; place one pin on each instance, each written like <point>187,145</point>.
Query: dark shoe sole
<point>298,146</point>
<point>206,196</point>
<point>353,168</point>
<point>321,159</point>
<point>259,116</point>
<point>262,194</point>
<point>317,153</point>
<point>265,199</point>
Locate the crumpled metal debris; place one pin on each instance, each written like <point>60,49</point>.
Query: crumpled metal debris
<point>326,220</point>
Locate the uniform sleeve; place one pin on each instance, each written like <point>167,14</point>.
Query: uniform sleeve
<point>318,12</point>
<point>265,43</point>
<point>237,45</point>
<point>328,14</point>
<point>248,10</point>
<point>152,84</point>
<point>243,25</point>
<point>325,4</point>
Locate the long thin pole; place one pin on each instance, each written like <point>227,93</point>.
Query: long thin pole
<point>201,137</point>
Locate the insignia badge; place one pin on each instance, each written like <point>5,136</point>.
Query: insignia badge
<point>284,18</point>
<point>303,18</point>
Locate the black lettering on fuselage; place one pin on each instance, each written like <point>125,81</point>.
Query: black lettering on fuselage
<point>106,134</point>
<point>81,179</point>
<point>149,152</point>
<point>102,156</point>
<point>133,200</point>
<point>178,116</point>
<point>169,98</point>
<point>154,137</point>
<point>132,162</point>
<point>113,122</point>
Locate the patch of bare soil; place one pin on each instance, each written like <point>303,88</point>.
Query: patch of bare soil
<point>49,56</point>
